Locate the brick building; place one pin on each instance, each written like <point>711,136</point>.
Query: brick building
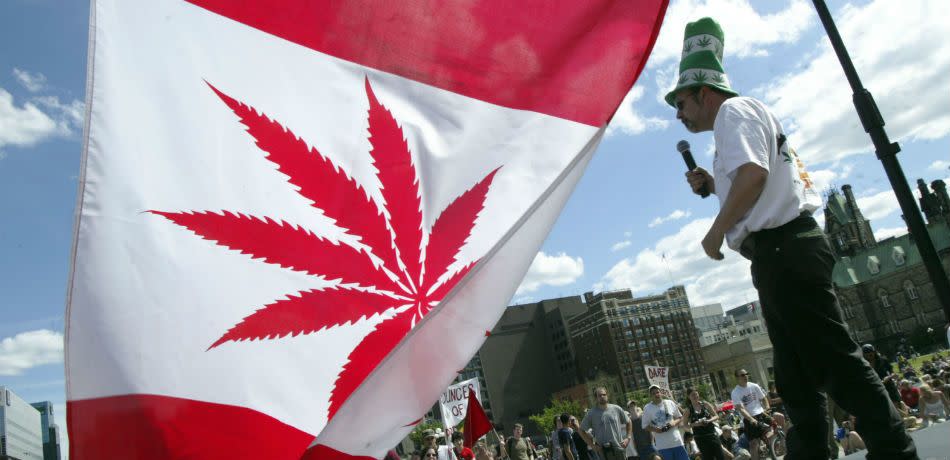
<point>620,333</point>
<point>884,288</point>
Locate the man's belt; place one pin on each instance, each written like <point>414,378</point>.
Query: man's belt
<point>747,248</point>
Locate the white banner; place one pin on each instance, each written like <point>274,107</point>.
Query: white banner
<point>454,402</point>
<point>660,376</point>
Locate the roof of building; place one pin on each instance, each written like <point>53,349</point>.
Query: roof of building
<point>890,255</point>
<point>837,206</point>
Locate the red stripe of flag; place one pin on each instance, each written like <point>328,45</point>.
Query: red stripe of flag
<point>152,427</point>
<point>571,59</point>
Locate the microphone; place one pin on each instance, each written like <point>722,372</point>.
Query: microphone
<point>683,147</point>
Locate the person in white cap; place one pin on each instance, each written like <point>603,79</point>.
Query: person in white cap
<point>766,199</point>
<point>662,417</point>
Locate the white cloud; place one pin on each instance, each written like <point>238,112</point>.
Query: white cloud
<point>883,233</point>
<point>747,33</point>
<point>675,215</point>
<point>679,259</point>
<point>878,205</point>
<point>903,62</point>
<point>621,245</point>
<point>69,115</point>
<point>37,120</point>
<point>940,165</point>
<point>23,126</point>
<point>27,350</point>
<point>33,82</point>
<point>628,121</point>
<point>556,270</point>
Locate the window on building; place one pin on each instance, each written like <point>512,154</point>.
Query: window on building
<point>874,265</point>
<point>898,255</point>
<point>885,302</point>
<point>911,290</point>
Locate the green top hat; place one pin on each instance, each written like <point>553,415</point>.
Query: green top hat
<point>701,62</point>
<point>704,34</point>
<point>701,69</point>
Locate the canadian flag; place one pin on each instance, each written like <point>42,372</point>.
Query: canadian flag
<point>286,206</point>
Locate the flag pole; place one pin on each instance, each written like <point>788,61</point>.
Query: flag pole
<point>873,123</point>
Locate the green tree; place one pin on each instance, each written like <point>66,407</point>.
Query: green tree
<point>642,397</point>
<point>545,420</point>
<point>706,392</point>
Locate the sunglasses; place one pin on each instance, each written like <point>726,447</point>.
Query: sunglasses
<point>743,375</point>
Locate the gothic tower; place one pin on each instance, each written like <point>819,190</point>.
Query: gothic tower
<point>845,225</point>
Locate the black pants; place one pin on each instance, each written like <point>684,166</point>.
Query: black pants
<point>710,447</point>
<point>791,269</point>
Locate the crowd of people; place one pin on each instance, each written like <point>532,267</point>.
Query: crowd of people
<point>696,429</point>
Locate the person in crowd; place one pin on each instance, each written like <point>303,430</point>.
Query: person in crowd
<point>609,425</point>
<point>641,448</point>
<point>584,452</point>
<point>701,417</point>
<point>781,421</point>
<point>934,405</point>
<point>689,442</point>
<point>430,438</point>
<point>850,440</point>
<point>939,385</point>
<point>429,453</point>
<point>517,446</point>
<point>884,370</point>
<point>662,417</point>
<point>555,446</point>
<point>482,452</point>
<point>728,440</point>
<point>766,201</point>
<point>910,395</point>
<point>565,440</point>
<point>752,404</point>
<point>775,399</point>
<point>743,446</point>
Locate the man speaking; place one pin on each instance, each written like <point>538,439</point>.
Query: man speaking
<point>766,200</point>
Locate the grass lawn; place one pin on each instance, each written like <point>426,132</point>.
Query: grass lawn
<point>919,361</point>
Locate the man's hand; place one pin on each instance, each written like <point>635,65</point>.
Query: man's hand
<point>624,442</point>
<point>713,242</point>
<point>699,177</point>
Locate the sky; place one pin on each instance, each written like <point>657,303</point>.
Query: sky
<point>632,221</point>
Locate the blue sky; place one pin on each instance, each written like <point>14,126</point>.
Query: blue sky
<point>632,221</point>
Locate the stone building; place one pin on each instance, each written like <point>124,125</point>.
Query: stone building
<point>620,333</point>
<point>751,352</point>
<point>884,288</point>
<point>527,358</point>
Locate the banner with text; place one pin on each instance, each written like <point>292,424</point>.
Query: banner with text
<point>659,376</point>
<point>454,401</point>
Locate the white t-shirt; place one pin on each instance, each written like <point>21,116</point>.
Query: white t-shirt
<point>750,396</point>
<point>446,453</point>
<point>659,415</point>
<point>745,131</point>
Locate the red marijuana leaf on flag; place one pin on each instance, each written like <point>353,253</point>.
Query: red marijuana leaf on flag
<point>402,287</point>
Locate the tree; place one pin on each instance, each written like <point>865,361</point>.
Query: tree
<point>545,420</point>
<point>706,392</point>
<point>642,397</point>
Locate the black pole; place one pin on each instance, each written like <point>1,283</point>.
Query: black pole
<point>887,152</point>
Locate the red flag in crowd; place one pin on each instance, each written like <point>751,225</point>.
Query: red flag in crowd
<point>477,423</point>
